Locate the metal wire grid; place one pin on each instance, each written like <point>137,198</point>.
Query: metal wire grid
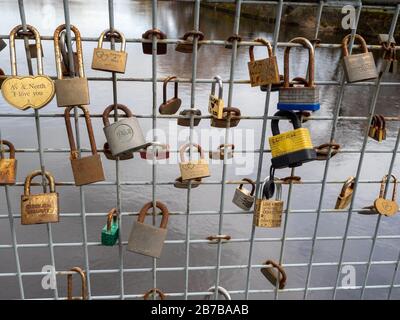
<point>221,212</point>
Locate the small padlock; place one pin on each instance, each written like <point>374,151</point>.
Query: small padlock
<point>88,169</point>
<point>33,51</point>
<point>358,67</point>
<point>299,97</point>
<point>221,291</point>
<point>230,40</point>
<point>377,129</point>
<point>187,46</point>
<point>146,239</point>
<point>125,135</point>
<point>230,118</point>
<point>27,91</point>
<point>346,194</point>
<point>184,119</point>
<point>154,292</point>
<point>275,274</point>
<point>148,46</point>
<point>244,198</point>
<point>216,104</point>
<point>39,208</point>
<point>110,232</point>
<point>110,60</point>
<point>389,62</point>
<point>263,72</point>
<point>225,151</point>
<point>322,151</point>
<point>155,150</point>
<point>291,148</point>
<point>83,285</point>
<point>193,169</point>
<point>8,167</point>
<point>3,44</point>
<point>122,156</point>
<point>172,105</point>
<point>70,91</point>
<point>185,184</point>
<point>384,206</point>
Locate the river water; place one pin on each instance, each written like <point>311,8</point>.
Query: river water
<point>133,18</point>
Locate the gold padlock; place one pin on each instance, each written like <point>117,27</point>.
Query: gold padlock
<point>39,208</point>
<point>385,206</point>
<point>8,167</point>
<point>346,194</point>
<point>193,169</point>
<point>83,284</point>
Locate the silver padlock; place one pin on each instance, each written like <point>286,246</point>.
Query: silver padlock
<point>244,198</point>
<point>124,135</point>
<point>146,239</point>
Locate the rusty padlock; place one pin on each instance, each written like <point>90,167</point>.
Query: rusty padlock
<point>170,106</point>
<point>230,116</point>
<point>122,156</point>
<point>224,151</point>
<point>155,150</point>
<point>148,46</point>
<point>184,184</point>
<point>83,284</point>
<point>275,274</point>
<point>184,119</point>
<point>193,169</point>
<point>230,40</point>
<point>187,46</point>
<point>8,167</point>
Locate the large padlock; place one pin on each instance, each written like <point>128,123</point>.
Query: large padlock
<point>88,169</point>
<point>265,71</point>
<point>147,239</point>
<point>148,46</point>
<point>110,232</point>
<point>244,198</point>
<point>8,167</point>
<point>292,148</point>
<point>125,135</point>
<point>225,151</point>
<point>299,97</point>
<point>70,91</point>
<point>275,274</point>
<point>384,206</point>
<point>155,151</point>
<point>185,115</point>
<point>193,169</point>
<point>230,118</point>
<point>110,60</point>
<point>172,105</point>
<point>346,194</point>
<point>83,284</point>
<point>27,91</point>
<point>187,46</point>
<point>361,66</point>
<point>215,103</point>
<point>39,208</point>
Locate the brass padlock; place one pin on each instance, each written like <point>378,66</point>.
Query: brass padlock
<point>83,285</point>
<point>275,274</point>
<point>346,194</point>
<point>172,105</point>
<point>377,129</point>
<point>27,91</point>
<point>185,115</point>
<point>148,46</point>
<point>39,208</point>
<point>8,167</point>
<point>155,150</point>
<point>154,292</point>
<point>224,151</point>
<point>187,46</point>
<point>180,184</point>
<point>265,71</point>
<point>215,103</point>
<point>358,67</point>
<point>122,156</point>
<point>146,239</point>
<point>88,169</point>
<point>193,169</point>
<point>70,91</point>
<point>385,206</point>
<point>110,60</point>
<point>230,118</point>
<point>244,198</point>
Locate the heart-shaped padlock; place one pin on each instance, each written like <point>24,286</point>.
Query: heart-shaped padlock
<point>385,206</point>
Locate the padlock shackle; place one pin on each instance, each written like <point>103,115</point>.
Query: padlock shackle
<point>33,174</point>
<point>112,107</point>
<point>277,188</point>
<point>58,54</point>
<point>217,80</point>
<point>112,215</point>
<point>83,280</point>
<point>157,32</point>
<point>233,37</point>
<point>159,205</point>
<point>153,291</point>
<point>17,33</point>
<point>265,43</point>
<point>166,80</point>
<point>221,290</point>
<point>357,37</point>
<point>67,116</point>
<point>108,34</point>
<point>288,115</point>
<point>306,44</point>
<point>223,146</point>
<point>383,186</point>
<point>253,185</point>
<point>277,266</point>
<point>348,184</point>
<point>187,146</point>
<point>231,112</point>
<point>11,149</point>
<point>193,33</point>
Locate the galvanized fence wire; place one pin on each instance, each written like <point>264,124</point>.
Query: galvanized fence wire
<point>221,212</point>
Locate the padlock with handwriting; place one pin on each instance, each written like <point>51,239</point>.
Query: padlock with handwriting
<point>193,169</point>
<point>8,167</point>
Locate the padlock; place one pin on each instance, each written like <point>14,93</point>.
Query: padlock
<point>275,274</point>
<point>27,91</point>
<point>322,151</point>
<point>230,40</point>
<point>153,292</point>
<point>221,291</point>
<point>83,284</point>
<point>64,56</point>
<point>263,72</point>
<point>292,148</point>
<point>377,129</point>
<point>110,232</point>
<point>3,44</point>
<point>184,119</point>
<point>193,169</point>
<point>110,60</point>
<point>346,194</point>
<point>146,239</point>
<point>148,46</point>
<point>125,135</point>
<point>187,46</point>
<point>122,156</point>
<point>2,77</point>
<point>389,62</point>
<point>244,198</point>
<point>155,150</point>
<point>8,167</point>
<point>185,184</point>
<point>70,91</point>
<point>172,105</point>
<point>39,208</point>
<point>216,104</point>
<point>299,97</point>
<point>225,151</point>
<point>358,67</point>
<point>88,169</point>
<point>33,51</point>
<point>230,118</point>
<point>385,206</point>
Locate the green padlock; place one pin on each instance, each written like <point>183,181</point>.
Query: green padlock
<point>110,232</point>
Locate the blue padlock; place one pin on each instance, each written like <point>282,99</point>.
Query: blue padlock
<point>110,232</point>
